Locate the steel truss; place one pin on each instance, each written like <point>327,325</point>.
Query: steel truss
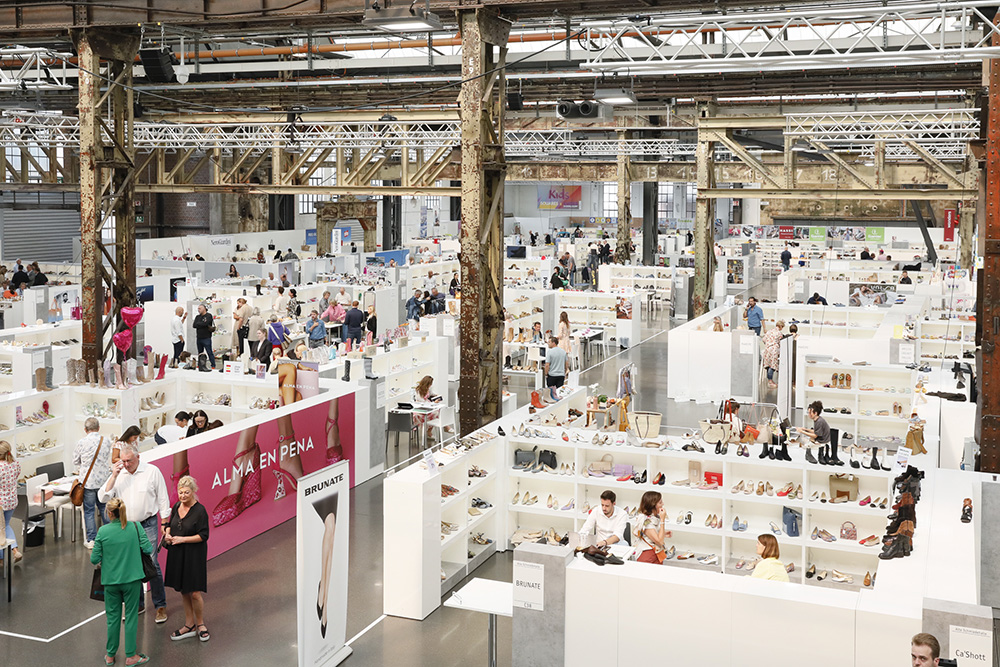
<point>35,71</point>
<point>880,35</point>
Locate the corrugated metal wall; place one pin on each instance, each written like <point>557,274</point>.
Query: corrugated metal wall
<point>39,235</point>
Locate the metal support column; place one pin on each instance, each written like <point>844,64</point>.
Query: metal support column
<point>650,229</point>
<point>392,220</point>
<point>966,230</point>
<point>704,257</point>
<point>989,296</point>
<point>482,101</point>
<point>107,181</point>
<point>622,252</point>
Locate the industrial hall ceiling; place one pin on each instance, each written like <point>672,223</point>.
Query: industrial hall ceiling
<point>298,56</point>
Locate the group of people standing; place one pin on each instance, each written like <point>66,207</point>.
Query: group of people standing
<point>132,499</point>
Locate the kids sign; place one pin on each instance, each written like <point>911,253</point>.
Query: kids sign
<point>559,197</point>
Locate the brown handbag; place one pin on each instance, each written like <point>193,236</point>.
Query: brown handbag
<point>76,491</point>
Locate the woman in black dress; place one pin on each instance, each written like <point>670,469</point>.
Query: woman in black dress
<point>187,558</point>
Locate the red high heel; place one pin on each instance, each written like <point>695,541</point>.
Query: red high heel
<point>281,475</point>
<point>332,458</point>
<point>233,505</point>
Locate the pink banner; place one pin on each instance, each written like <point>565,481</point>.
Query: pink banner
<point>247,480</point>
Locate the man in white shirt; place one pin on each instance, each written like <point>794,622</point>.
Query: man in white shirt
<point>142,488</point>
<point>93,453</point>
<point>608,523</point>
<point>176,334</point>
<point>429,281</point>
<point>343,298</point>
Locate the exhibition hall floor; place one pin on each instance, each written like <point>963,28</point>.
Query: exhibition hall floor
<point>250,604</point>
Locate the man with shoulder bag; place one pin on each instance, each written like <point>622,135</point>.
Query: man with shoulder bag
<point>92,459</point>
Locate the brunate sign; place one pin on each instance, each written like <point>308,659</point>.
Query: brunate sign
<point>559,197</point>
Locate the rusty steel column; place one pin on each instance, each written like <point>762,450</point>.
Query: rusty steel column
<point>989,296</point>
<point>91,280</point>
<point>482,101</point>
<point>107,181</point>
<point>704,256</point>
<point>624,241</point>
<point>966,229</point>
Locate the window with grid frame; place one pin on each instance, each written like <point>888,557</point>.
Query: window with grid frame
<point>665,201</point>
<point>610,209</point>
<point>692,198</point>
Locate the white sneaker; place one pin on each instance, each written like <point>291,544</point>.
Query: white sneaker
<point>89,545</point>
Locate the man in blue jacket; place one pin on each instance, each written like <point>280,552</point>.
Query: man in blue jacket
<point>413,306</point>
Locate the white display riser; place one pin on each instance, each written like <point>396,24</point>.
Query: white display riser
<point>612,277</point>
<point>756,510</point>
<point>931,349</point>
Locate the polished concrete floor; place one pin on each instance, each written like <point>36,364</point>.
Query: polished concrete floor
<point>250,606</point>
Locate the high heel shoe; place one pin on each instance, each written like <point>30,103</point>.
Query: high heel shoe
<point>319,607</point>
<point>234,504</point>
<point>281,475</point>
<point>332,456</point>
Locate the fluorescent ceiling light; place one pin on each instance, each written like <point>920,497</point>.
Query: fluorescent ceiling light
<point>403,19</point>
<point>615,96</point>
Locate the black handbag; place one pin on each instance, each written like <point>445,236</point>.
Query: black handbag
<point>524,457</point>
<point>547,458</point>
<point>148,567</point>
<point>96,587</point>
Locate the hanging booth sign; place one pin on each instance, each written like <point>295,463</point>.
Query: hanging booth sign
<point>786,232</point>
<point>950,222</point>
<point>560,197</point>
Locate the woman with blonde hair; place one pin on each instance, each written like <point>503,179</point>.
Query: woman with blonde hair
<point>717,324</point>
<point>770,567</point>
<point>422,392</point>
<point>187,558</point>
<point>10,470</point>
<point>116,550</point>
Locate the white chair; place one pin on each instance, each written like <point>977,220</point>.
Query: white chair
<point>446,417</point>
<point>61,509</point>
<point>57,503</point>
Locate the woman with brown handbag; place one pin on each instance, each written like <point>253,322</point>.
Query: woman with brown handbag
<point>652,528</point>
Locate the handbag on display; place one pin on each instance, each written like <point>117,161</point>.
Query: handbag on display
<point>728,412</point>
<point>55,311</point>
<point>76,492</point>
<point>792,520</point>
<point>844,485</point>
<point>715,431</point>
<point>604,466</point>
<point>646,424</point>
<point>524,457</point>
<point>77,311</point>
<point>763,422</point>
<point>148,568</point>
<point>848,531</point>
<point>547,457</point>
<point>96,587</point>
<point>622,470</point>
<point>915,440</point>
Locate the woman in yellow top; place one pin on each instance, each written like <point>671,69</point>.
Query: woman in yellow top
<point>770,567</point>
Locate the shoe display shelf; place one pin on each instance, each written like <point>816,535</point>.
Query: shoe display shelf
<point>417,510</point>
<point>598,309</point>
<point>59,271</point>
<point>16,368</point>
<point>34,438</point>
<point>415,275</point>
<point>946,340</point>
<point>528,271</point>
<point>404,366</point>
<point>873,390</point>
<point>615,277</point>
<point>224,396</point>
<point>118,409</point>
<point>42,345</point>
<point>829,321</point>
<point>696,534</point>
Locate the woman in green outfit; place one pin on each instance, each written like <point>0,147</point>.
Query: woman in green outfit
<point>117,550</point>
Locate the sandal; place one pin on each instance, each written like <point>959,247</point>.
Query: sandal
<point>109,660</point>
<point>143,659</point>
<point>183,632</point>
<point>203,634</point>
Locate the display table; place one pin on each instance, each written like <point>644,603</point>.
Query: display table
<point>495,598</point>
<point>62,487</point>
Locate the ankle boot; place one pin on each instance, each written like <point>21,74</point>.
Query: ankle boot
<point>347,370</point>
<point>765,451</point>
<point>854,461</point>
<point>824,460</point>
<point>783,455</point>
<point>809,456</point>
